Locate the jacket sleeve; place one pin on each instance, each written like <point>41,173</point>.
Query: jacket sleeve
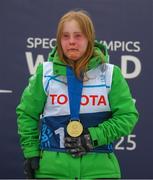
<point>28,114</point>
<point>124,113</point>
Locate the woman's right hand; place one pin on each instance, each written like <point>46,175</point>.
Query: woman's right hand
<point>30,165</point>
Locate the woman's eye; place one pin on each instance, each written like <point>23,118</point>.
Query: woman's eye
<point>65,35</point>
<point>78,35</point>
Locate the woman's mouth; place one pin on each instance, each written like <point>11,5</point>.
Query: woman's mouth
<point>72,49</point>
<point>73,53</point>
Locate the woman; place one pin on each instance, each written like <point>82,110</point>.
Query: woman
<point>85,105</point>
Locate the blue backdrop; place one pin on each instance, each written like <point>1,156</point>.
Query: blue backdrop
<point>27,34</point>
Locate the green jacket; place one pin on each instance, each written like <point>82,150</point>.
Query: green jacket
<point>124,113</point>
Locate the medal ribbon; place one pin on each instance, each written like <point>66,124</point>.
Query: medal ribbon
<point>74,92</point>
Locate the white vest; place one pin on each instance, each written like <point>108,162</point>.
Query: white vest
<point>94,94</point>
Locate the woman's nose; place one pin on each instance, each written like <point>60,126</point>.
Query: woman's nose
<point>72,40</point>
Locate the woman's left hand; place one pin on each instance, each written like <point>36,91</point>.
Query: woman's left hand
<point>78,146</point>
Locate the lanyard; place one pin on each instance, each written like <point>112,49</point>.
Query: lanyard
<point>74,92</point>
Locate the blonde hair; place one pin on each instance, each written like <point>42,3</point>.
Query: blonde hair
<point>87,28</point>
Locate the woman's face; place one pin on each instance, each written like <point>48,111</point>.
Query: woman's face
<point>73,41</point>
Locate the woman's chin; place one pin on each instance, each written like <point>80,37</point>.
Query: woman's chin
<point>73,58</point>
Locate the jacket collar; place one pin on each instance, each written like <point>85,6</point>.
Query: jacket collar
<point>59,68</point>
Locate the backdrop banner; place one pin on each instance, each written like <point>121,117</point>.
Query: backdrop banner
<point>27,35</point>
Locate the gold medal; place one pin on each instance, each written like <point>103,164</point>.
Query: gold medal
<point>74,128</point>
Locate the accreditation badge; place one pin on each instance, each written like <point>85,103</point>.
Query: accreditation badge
<point>74,128</point>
